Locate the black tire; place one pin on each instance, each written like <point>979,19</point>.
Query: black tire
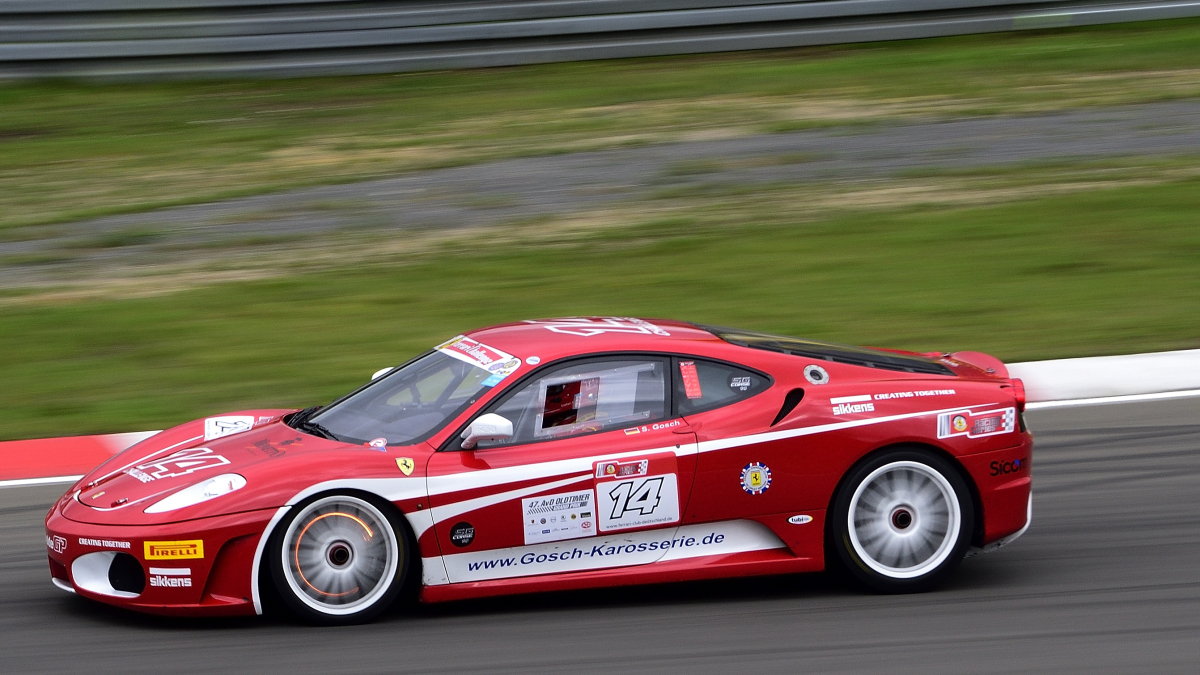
<point>339,558</point>
<point>912,521</point>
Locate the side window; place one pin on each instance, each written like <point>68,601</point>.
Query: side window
<point>703,385</point>
<point>586,397</point>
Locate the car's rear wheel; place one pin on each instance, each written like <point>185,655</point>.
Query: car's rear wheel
<point>339,559</point>
<point>902,521</point>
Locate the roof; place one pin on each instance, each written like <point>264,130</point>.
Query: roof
<point>555,338</point>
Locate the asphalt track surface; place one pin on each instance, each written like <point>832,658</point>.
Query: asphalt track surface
<point>1105,581</point>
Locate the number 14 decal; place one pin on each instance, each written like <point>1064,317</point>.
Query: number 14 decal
<point>638,502</point>
<point>643,501</point>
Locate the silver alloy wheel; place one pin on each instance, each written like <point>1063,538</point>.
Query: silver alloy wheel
<point>340,555</point>
<point>904,519</point>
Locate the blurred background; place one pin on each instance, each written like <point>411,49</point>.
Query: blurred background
<point>208,205</point>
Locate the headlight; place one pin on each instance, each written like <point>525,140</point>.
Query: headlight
<point>200,492</point>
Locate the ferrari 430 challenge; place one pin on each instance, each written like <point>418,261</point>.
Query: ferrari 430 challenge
<point>563,454</point>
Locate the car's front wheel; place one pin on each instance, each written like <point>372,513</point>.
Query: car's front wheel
<point>902,521</point>
<point>339,559</point>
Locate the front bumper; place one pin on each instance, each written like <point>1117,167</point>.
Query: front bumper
<point>193,568</point>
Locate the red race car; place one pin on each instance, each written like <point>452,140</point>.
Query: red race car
<point>563,454</point>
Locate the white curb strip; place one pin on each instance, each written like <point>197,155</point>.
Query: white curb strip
<point>26,482</point>
<point>1100,377</point>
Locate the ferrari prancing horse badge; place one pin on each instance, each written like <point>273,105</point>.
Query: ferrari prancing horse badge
<point>406,465</point>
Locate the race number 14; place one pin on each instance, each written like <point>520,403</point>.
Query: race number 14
<point>637,502</point>
<point>643,500</point>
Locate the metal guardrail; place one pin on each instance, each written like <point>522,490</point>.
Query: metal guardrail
<point>214,38</point>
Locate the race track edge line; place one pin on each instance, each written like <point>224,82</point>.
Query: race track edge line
<point>26,482</point>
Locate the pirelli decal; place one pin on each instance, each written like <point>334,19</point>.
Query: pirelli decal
<point>175,550</point>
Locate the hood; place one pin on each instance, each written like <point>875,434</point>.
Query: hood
<point>266,460</point>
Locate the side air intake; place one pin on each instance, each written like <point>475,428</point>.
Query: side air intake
<point>790,402</point>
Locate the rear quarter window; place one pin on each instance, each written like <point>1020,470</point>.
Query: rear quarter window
<point>702,385</point>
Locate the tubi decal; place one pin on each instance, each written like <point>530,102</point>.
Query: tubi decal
<point>756,478</point>
<point>800,520</point>
<point>174,550</point>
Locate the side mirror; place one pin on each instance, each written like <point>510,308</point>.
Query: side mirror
<point>381,372</point>
<point>489,427</point>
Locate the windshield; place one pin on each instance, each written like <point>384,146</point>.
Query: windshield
<point>408,404</point>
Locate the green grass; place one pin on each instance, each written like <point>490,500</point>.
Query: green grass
<point>70,150</point>
<point>1097,272</point>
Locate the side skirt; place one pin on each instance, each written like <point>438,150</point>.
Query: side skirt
<point>751,563</point>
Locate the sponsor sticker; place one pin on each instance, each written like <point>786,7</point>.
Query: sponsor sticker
<point>171,577</point>
<point>816,374</point>
<point>587,327</point>
<point>756,478</point>
<point>1006,467</point>
<point>533,360</point>
<point>104,543</point>
<point>499,364</point>
<point>800,520</point>
<point>462,534</point>
<point>853,408</point>
<point>174,550</point>
<point>691,380</point>
<point>406,465</point>
<point>568,515</point>
<point>56,543</point>
<point>637,501</point>
<point>219,427</point>
<point>919,393</point>
<point>741,383</point>
<point>378,444</point>
<point>622,469</point>
<point>630,548</point>
<point>977,424</point>
<point>269,449</point>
